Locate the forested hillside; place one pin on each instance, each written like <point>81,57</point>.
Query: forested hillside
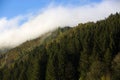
<point>89,51</point>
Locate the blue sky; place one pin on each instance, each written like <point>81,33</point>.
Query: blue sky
<point>12,8</point>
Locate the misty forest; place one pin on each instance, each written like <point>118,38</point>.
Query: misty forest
<point>89,51</point>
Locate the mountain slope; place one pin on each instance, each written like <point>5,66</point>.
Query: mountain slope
<point>89,51</point>
<point>14,54</point>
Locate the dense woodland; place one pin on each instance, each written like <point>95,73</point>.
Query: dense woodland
<point>89,51</point>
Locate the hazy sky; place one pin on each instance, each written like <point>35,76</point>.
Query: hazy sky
<point>22,20</point>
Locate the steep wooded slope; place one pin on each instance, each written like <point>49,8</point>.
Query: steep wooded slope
<point>89,51</point>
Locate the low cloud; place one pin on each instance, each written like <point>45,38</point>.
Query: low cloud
<point>17,30</point>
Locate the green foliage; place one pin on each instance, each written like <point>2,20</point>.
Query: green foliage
<point>96,71</point>
<point>116,67</point>
<point>89,51</point>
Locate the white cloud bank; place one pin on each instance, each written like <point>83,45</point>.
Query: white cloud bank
<point>12,33</point>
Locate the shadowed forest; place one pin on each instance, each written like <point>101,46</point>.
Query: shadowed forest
<point>89,51</point>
